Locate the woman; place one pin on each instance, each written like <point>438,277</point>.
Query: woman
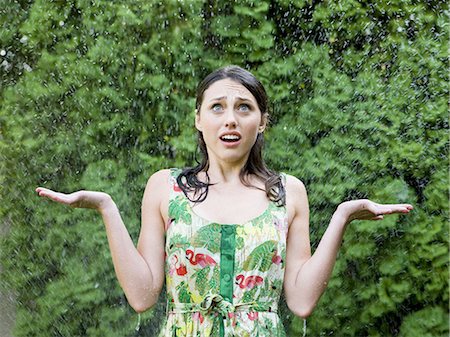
<point>228,234</point>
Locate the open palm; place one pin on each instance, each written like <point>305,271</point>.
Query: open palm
<point>364,209</point>
<point>79,199</point>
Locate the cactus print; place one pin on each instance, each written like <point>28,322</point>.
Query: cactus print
<point>223,280</point>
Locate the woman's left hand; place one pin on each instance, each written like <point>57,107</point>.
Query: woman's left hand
<point>364,209</point>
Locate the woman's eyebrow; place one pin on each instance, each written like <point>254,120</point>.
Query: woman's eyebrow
<point>225,97</point>
<point>244,99</point>
<point>218,98</point>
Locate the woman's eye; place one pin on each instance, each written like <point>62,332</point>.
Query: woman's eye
<point>244,107</point>
<point>216,107</point>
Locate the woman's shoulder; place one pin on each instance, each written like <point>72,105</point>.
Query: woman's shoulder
<point>163,173</point>
<point>160,183</point>
<point>294,184</point>
<point>296,197</point>
<point>162,177</point>
<point>166,172</point>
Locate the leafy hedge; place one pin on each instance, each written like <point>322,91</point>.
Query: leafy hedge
<point>99,95</point>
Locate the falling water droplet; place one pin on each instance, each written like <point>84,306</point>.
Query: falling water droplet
<point>138,325</point>
<point>27,67</point>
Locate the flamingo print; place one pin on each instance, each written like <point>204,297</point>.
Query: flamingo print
<point>202,259</point>
<point>280,224</point>
<point>252,315</point>
<point>232,317</point>
<point>276,258</point>
<point>249,282</point>
<point>181,270</point>
<point>176,188</point>
<point>198,316</point>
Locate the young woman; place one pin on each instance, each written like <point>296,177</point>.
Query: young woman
<point>229,234</point>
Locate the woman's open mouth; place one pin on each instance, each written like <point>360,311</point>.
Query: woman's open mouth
<point>231,139</point>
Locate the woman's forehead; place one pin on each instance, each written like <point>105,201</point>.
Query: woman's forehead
<point>229,89</point>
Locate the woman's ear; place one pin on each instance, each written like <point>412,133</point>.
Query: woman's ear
<point>197,120</point>
<point>263,124</point>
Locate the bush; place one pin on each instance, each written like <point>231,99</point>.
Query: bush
<point>99,95</point>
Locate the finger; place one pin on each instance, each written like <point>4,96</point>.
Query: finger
<point>43,189</point>
<point>399,206</point>
<point>380,209</point>
<point>378,217</point>
<point>45,192</point>
<point>400,209</point>
<point>55,196</point>
<point>409,206</point>
<point>393,209</point>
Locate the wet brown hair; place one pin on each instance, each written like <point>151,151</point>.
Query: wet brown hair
<point>188,180</point>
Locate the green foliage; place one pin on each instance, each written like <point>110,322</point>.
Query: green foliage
<point>429,322</point>
<point>99,95</point>
<point>180,210</point>
<point>203,237</point>
<point>261,257</point>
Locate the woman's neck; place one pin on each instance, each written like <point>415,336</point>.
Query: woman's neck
<point>224,173</point>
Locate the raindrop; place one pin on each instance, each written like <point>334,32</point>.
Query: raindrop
<point>138,325</point>
<point>27,67</point>
<point>6,65</point>
<point>3,52</point>
<point>24,39</point>
<point>61,23</point>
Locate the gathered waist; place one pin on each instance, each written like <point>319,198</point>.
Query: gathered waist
<point>216,304</point>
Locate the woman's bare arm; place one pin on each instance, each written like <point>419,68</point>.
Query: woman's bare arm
<point>307,276</point>
<point>140,271</point>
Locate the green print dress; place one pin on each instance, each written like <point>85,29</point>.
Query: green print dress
<point>223,280</point>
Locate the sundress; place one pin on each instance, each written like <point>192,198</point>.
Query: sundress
<point>223,280</point>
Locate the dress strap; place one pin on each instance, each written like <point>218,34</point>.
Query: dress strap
<point>175,194</point>
<point>174,188</point>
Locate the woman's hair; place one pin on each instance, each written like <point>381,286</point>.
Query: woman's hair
<point>188,181</point>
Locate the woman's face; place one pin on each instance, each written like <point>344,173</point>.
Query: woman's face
<point>230,121</point>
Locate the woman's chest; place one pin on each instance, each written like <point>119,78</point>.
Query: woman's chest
<point>232,207</point>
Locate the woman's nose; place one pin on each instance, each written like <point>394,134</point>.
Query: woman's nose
<point>230,120</point>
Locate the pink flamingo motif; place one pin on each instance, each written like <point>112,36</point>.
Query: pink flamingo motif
<point>202,259</point>
<point>276,258</point>
<point>249,282</point>
<point>181,270</point>
<point>252,315</point>
<point>176,188</point>
<point>198,316</point>
<point>280,224</point>
<point>232,317</point>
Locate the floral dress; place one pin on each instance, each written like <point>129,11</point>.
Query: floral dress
<point>223,279</point>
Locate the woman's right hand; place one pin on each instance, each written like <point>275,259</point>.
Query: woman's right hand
<point>79,199</point>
